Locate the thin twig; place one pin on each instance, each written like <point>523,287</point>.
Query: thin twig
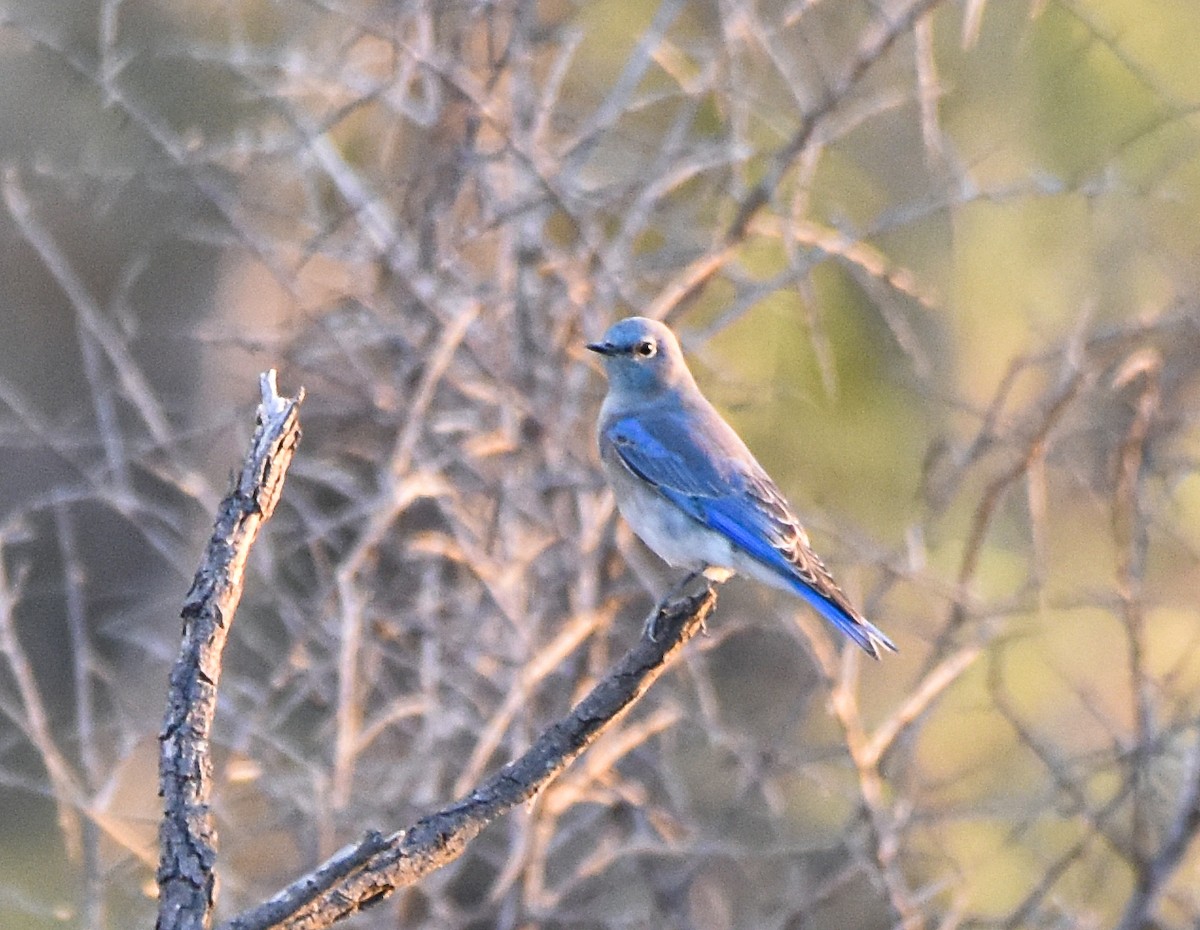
<point>34,720</point>
<point>692,279</point>
<point>91,770</point>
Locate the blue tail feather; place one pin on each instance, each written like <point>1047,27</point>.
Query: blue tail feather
<point>863,633</point>
<point>740,521</point>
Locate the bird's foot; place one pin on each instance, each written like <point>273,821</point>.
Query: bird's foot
<point>653,627</point>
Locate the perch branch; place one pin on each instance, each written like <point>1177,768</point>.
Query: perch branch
<point>353,880</point>
<point>187,837</point>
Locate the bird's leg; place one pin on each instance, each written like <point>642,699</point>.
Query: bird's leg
<point>651,629</point>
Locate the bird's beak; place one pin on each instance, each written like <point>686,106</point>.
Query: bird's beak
<point>602,348</point>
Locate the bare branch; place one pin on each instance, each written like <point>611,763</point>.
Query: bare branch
<point>187,837</point>
<point>441,837</point>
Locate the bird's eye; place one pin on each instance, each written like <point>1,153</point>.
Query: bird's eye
<point>646,348</point>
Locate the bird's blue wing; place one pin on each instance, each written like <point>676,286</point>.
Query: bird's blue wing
<point>709,474</point>
<point>665,455</point>
<point>706,471</point>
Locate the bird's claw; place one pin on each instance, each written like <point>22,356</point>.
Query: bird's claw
<point>653,625</point>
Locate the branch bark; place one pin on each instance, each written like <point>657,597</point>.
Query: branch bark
<point>363,874</point>
<point>187,836</point>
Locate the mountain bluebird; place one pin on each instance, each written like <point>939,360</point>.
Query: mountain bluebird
<point>690,488</point>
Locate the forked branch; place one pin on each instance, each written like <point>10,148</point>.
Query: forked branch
<point>365,872</point>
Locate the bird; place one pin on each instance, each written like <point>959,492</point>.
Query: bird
<point>690,488</point>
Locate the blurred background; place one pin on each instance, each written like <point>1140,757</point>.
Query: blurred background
<point>939,262</point>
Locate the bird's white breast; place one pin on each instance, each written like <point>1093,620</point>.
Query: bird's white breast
<point>674,537</point>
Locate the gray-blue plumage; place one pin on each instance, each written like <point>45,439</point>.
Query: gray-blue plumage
<point>690,488</point>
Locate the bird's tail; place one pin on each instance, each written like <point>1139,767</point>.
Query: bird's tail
<point>857,627</point>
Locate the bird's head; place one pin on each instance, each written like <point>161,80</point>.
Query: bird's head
<point>641,355</point>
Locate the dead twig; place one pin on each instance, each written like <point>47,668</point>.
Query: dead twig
<point>187,836</point>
